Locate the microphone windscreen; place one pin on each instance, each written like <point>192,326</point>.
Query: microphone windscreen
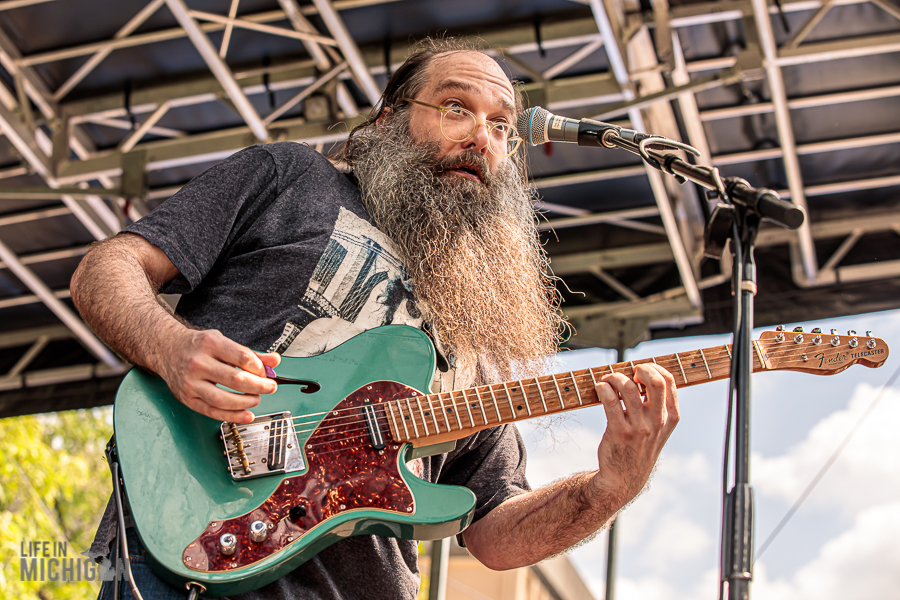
<point>532,125</point>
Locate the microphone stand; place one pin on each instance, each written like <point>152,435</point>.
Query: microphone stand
<point>737,217</point>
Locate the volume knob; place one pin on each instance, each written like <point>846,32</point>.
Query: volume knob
<point>227,544</point>
<point>258,531</point>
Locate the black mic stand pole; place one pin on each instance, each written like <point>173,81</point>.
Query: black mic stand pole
<point>737,217</point>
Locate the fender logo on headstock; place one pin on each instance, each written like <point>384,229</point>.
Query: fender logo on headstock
<point>834,360</point>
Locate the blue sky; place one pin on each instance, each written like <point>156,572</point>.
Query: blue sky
<point>842,541</point>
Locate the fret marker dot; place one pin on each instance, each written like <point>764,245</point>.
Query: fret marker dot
<point>566,389</point>
<point>519,407</point>
<point>693,364</point>
<point>449,410</point>
<point>407,418</point>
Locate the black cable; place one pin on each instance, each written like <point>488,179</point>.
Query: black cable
<point>834,455</point>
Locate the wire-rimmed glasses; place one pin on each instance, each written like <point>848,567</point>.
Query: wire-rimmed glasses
<point>460,125</point>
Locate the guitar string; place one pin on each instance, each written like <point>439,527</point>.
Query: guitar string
<point>472,423</point>
<point>712,361</point>
<point>328,423</point>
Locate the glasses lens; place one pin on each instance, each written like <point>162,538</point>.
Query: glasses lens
<point>458,124</point>
<point>504,139</point>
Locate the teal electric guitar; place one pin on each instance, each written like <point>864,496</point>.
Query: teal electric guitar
<point>233,507</point>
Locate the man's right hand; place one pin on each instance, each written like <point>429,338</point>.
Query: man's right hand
<point>198,360</point>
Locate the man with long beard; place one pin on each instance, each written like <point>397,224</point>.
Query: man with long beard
<point>274,248</point>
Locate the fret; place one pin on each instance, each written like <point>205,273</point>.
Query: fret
<point>706,364</point>
<point>456,410</point>
<point>494,400</point>
<point>591,371</point>
<point>481,405</point>
<point>412,418</point>
<point>422,413</point>
<point>512,409</point>
<point>611,372</point>
<point>402,419</point>
<point>727,347</point>
<point>631,362</point>
<point>437,428</point>
<point>468,410</point>
<point>390,406</point>
<point>444,412</point>
<point>575,383</point>
<point>654,360</point>
<point>540,393</point>
<point>525,398</point>
<point>562,404</point>
<point>680,366</point>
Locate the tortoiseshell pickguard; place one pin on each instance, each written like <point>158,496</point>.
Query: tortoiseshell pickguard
<point>344,473</point>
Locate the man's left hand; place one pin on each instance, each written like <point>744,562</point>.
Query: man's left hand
<point>637,428</point>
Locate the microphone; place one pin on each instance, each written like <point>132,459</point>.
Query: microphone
<point>539,126</point>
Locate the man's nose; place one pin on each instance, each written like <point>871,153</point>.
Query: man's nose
<point>480,139</point>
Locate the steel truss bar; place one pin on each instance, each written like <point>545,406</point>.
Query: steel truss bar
<point>85,69</point>
<point>604,14</point>
<point>41,257</point>
<point>63,312</point>
<point>134,137</point>
<point>614,283</point>
<point>807,251</point>
<point>177,33</point>
<point>807,28</point>
<point>219,68</point>
<point>262,28</point>
<point>323,57</point>
<point>208,147</point>
<point>38,193</point>
<point>58,375</point>
<point>290,103</point>
<point>22,337</point>
<point>798,103</point>
<point>614,217</point>
<point>804,149</point>
<point>573,59</point>
<point>835,50</point>
<point>31,298</point>
<point>349,49</point>
<point>29,355</point>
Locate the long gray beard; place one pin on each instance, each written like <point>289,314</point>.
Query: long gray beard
<point>472,249</point>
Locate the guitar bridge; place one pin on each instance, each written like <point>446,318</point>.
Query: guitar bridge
<point>266,446</point>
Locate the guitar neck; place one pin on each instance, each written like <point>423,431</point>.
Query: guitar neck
<point>435,418</point>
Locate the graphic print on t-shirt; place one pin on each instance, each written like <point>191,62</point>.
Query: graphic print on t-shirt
<point>359,283</point>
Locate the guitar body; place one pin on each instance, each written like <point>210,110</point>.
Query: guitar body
<point>184,497</point>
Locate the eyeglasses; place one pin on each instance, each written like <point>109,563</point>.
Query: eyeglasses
<point>460,125</point>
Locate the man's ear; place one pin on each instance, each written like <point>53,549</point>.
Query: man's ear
<point>383,117</point>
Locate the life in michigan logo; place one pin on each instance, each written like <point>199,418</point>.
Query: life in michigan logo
<point>44,560</point>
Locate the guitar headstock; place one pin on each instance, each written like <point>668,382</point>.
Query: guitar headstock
<point>820,353</point>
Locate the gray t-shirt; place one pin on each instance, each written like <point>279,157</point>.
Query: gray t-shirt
<point>277,251</point>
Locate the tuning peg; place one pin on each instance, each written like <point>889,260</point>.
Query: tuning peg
<point>853,341</point>
<point>779,328</point>
<point>817,330</point>
<point>835,341</point>
<point>851,332</point>
<point>817,339</point>
<point>868,334</point>
<point>834,332</point>
<point>798,330</point>
<point>871,342</point>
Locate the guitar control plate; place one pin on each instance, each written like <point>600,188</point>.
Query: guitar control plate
<point>266,446</point>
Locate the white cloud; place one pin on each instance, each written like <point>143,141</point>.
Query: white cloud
<point>865,473</point>
<point>862,563</point>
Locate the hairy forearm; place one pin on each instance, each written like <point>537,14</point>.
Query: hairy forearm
<point>118,300</point>
<point>534,526</point>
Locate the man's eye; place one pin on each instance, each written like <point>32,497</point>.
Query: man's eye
<point>456,111</point>
<point>503,128</point>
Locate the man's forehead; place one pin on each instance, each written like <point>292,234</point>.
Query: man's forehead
<point>474,73</point>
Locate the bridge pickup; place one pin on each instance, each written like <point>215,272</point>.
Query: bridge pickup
<point>372,424</point>
<point>267,446</point>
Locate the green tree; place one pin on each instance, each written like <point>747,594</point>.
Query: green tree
<point>54,484</point>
